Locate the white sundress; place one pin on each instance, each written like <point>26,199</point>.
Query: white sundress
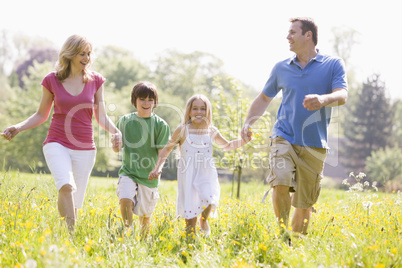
<point>197,177</point>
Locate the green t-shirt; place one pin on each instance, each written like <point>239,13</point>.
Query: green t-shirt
<point>142,139</point>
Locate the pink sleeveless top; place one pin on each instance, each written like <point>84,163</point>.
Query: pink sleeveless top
<point>71,124</point>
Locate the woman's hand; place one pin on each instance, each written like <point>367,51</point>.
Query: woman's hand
<point>10,132</point>
<point>117,141</point>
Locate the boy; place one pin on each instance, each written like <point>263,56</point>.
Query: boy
<point>144,134</point>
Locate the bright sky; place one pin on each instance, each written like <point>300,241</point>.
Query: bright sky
<point>249,36</point>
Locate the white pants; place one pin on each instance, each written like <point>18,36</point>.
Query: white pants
<point>71,167</point>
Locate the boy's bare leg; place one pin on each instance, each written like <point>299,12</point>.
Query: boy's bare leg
<point>126,210</point>
<point>145,223</point>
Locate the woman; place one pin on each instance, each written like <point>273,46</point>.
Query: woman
<point>69,148</point>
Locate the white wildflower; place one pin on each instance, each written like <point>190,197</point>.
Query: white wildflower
<point>31,263</point>
<point>361,175</point>
<point>367,204</point>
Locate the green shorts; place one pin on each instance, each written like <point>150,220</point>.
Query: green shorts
<point>300,168</point>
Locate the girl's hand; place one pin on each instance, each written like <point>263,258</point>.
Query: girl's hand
<point>117,141</point>
<point>246,133</point>
<point>10,132</point>
<point>154,174</point>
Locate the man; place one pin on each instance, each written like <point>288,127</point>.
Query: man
<point>311,83</point>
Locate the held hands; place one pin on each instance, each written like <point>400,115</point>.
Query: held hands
<point>246,133</point>
<point>313,102</point>
<point>10,132</point>
<point>154,174</point>
<point>117,141</point>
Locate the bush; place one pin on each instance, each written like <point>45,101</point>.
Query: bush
<point>384,165</point>
<point>394,185</point>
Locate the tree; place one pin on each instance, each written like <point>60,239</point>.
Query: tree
<point>368,125</point>
<point>397,128</point>
<point>183,74</point>
<point>120,67</point>
<point>15,48</point>
<point>24,152</point>
<point>5,52</point>
<point>39,55</point>
<point>229,118</point>
<point>344,40</point>
<point>384,165</point>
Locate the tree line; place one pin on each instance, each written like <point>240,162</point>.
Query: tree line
<point>370,123</point>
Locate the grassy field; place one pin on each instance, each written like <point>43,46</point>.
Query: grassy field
<point>350,229</point>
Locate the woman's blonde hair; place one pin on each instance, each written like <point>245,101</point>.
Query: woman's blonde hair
<point>208,106</point>
<point>74,45</point>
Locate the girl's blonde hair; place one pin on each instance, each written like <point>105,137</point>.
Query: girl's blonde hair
<point>74,45</point>
<point>208,106</point>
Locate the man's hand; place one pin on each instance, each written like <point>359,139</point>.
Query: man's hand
<point>246,133</point>
<point>313,102</point>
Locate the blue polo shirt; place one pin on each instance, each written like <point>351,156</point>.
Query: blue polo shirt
<point>320,76</point>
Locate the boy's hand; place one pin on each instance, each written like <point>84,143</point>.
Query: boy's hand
<point>117,142</point>
<point>154,174</point>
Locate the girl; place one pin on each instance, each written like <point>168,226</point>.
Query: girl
<point>198,186</point>
<point>69,148</point>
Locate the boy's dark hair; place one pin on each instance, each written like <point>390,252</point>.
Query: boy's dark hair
<point>144,89</point>
<point>308,24</point>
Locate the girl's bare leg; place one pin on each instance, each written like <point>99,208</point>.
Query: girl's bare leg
<point>191,225</point>
<point>204,218</point>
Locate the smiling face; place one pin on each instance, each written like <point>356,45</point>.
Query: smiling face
<point>145,106</point>
<point>198,111</point>
<point>297,41</point>
<point>82,60</point>
<point>144,97</point>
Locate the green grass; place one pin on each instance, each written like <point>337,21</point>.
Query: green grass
<point>343,233</point>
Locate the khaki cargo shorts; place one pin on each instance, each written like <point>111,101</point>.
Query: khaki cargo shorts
<point>300,168</point>
<point>143,197</point>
